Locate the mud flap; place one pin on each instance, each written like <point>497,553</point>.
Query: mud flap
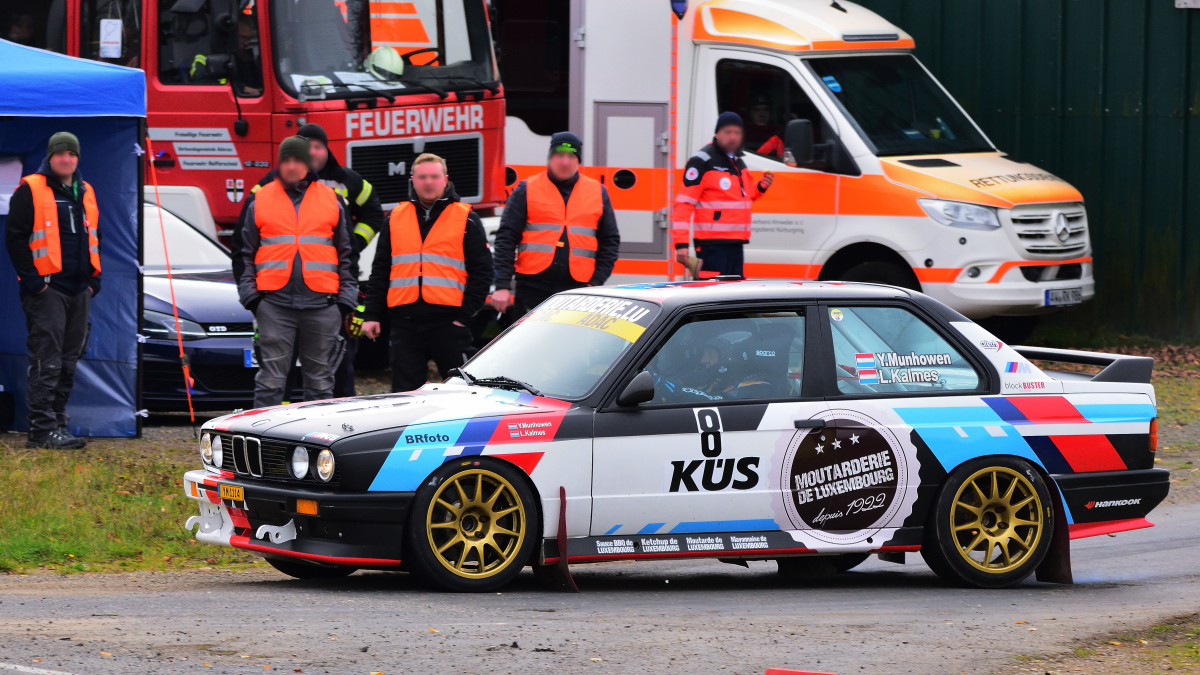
<point>558,576</point>
<point>1056,566</point>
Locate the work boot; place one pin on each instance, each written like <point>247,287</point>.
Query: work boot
<point>62,431</point>
<point>54,440</point>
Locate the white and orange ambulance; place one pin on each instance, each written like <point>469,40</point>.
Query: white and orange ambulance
<point>880,175</point>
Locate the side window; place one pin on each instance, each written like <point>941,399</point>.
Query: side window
<point>731,357</point>
<point>210,42</point>
<point>886,350</point>
<point>111,31</point>
<point>767,98</point>
<point>36,24</point>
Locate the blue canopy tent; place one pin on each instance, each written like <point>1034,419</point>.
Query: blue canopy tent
<point>105,106</point>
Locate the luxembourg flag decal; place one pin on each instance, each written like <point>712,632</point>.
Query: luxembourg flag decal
<point>866,369</point>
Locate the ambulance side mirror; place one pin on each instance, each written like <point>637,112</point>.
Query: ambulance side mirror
<point>798,139</point>
<point>639,390</point>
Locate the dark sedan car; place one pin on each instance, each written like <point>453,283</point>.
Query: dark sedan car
<point>217,331</point>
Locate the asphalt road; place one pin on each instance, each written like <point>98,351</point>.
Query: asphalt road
<point>691,616</point>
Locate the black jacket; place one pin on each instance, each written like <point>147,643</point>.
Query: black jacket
<point>477,258</point>
<point>76,274</point>
<point>296,294</point>
<point>358,199</point>
<point>557,276</point>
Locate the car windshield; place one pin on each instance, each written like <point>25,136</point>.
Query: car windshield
<point>565,346</point>
<point>343,48</point>
<point>898,105</point>
<point>189,248</point>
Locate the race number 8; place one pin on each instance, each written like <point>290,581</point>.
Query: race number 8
<point>710,431</point>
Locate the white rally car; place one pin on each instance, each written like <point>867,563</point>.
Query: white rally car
<point>739,420</point>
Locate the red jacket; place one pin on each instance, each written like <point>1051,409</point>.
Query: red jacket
<point>716,198</point>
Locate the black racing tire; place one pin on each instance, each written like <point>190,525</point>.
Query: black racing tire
<point>882,272</point>
<point>474,525</point>
<point>1000,504</point>
<point>303,570</point>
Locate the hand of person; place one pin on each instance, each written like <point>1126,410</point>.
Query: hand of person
<point>371,329</point>
<point>45,286</point>
<point>354,324</point>
<point>459,324</point>
<point>501,300</point>
<point>681,256</point>
<point>767,179</point>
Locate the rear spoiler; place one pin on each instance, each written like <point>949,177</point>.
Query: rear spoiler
<point>1118,367</point>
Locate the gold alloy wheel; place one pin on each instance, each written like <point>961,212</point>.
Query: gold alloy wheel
<point>996,519</point>
<point>475,524</point>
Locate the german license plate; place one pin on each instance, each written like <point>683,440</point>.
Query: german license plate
<point>249,358</point>
<point>233,492</point>
<point>1064,296</point>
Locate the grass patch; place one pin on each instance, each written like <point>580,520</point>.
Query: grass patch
<point>99,509</point>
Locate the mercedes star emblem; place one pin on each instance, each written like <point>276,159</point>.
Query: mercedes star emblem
<point>1061,229</point>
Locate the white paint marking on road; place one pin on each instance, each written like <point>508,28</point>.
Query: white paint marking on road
<point>27,669</point>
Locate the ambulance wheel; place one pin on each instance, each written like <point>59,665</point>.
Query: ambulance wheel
<point>473,526</point>
<point>991,525</point>
<point>303,570</point>
<point>880,272</point>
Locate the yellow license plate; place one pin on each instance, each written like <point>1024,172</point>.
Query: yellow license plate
<point>233,492</point>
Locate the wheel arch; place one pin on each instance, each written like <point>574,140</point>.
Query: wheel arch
<point>857,253</point>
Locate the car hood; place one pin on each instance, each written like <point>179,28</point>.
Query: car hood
<point>207,297</point>
<point>442,412</point>
<point>987,178</point>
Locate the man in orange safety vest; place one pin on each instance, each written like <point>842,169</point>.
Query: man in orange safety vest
<point>53,238</point>
<point>296,277</point>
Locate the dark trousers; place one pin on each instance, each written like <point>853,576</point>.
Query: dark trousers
<point>343,379</point>
<point>720,259</point>
<point>58,331</point>
<point>284,332</point>
<point>412,348</point>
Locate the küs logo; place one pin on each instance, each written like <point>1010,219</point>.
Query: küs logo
<point>991,345</point>
<point>718,472</point>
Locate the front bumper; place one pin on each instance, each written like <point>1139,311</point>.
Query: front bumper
<point>1012,297</point>
<point>1104,502</point>
<point>222,381</point>
<point>356,529</point>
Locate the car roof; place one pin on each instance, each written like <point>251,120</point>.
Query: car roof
<point>675,294</point>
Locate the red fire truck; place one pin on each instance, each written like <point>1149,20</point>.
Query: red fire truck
<point>227,80</point>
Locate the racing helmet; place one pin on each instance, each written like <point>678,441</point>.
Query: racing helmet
<point>385,63</point>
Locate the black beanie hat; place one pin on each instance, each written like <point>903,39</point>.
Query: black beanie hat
<point>565,141</point>
<point>727,118</point>
<point>297,147</point>
<point>63,140</point>
<point>313,132</point>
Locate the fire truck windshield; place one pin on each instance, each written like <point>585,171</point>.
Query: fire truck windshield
<point>348,48</point>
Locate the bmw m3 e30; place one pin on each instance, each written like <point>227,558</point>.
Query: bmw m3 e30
<point>740,420</point>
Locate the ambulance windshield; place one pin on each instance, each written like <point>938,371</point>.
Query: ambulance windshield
<point>349,48</point>
<point>898,105</point>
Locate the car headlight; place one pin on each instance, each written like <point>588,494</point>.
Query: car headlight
<point>161,326</point>
<point>958,214</point>
<point>325,465</point>
<point>206,447</point>
<point>300,462</point>
<point>217,454</point>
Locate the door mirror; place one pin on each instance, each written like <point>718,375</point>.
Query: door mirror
<point>798,138</point>
<point>639,390</point>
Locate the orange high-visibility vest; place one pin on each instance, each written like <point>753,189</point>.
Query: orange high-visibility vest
<point>717,207</point>
<point>47,253</point>
<point>437,265</point>
<point>547,216</point>
<point>281,234</point>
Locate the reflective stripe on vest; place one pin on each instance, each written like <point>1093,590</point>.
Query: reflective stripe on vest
<point>44,240</point>
<point>435,265</point>
<point>283,233</point>
<point>548,216</point>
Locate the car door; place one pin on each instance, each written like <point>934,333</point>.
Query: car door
<point>696,467</point>
<point>908,402</point>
